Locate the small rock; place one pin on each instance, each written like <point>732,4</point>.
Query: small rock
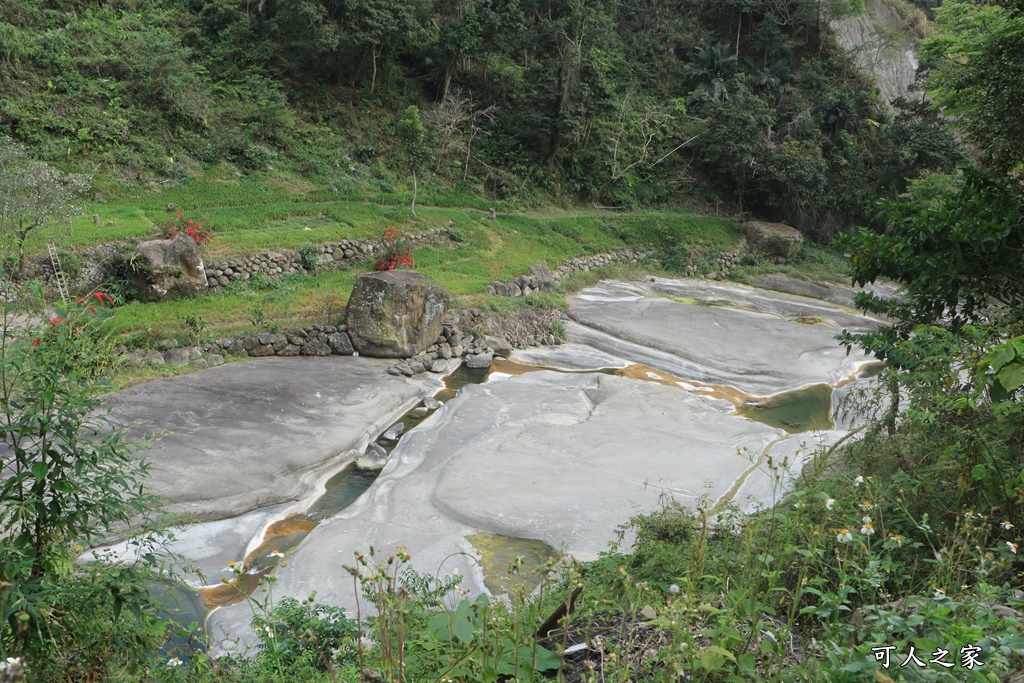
<point>431,403</point>
<point>440,365</point>
<point>499,345</point>
<point>374,458</point>
<point>647,614</point>
<point>480,360</point>
<point>176,357</point>
<point>418,412</point>
<point>154,357</point>
<point>215,359</point>
<point>393,432</point>
<point>393,370</point>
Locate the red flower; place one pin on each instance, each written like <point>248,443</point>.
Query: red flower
<point>56,320</point>
<point>103,298</point>
<point>36,342</point>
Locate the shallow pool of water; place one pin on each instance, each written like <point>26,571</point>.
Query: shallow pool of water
<point>802,410</point>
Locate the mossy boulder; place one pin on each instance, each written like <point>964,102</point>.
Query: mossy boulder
<point>396,313</point>
<point>775,240</point>
<point>171,267</point>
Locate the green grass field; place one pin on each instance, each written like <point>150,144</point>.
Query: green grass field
<point>276,211</point>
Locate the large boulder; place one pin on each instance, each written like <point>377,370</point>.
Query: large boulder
<point>777,240</point>
<point>395,313</point>
<point>171,266</point>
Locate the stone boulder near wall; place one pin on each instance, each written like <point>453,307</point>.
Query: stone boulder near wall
<point>395,313</point>
<point>172,266</point>
<point>776,240</point>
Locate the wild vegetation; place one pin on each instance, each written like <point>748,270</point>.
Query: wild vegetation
<point>745,105</point>
<point>284,124</point>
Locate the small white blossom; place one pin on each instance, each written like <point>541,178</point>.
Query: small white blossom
<point>844,536</point>
<point>1006,525</point>
<point>174,661</point>
<point>865,519</point>
<point>276,553</point>
<point>867,529</point>
<point>829,502</point>
<point>858,481</point>
<point>1012,547</point>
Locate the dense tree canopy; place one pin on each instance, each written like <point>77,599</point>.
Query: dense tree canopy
<point>621,103</point>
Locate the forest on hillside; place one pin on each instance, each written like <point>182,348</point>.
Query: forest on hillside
<point>739,105</point>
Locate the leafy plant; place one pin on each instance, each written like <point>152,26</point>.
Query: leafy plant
<point>68,476</point>
<point>395,251</point>
<point>32,195</point>
<point>185,225</point>
<point>309,253</point>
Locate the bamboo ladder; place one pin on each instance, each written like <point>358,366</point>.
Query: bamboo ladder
<point>58,273</point>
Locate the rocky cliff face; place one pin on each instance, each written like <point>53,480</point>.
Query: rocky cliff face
<point>882,47</point>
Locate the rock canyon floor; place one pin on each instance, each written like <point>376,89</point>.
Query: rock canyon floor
<point>665,389</point>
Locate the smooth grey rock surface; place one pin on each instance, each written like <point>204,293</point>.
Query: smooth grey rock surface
<point>757,349</point>
<point>254,433</point>
<point>560,457</point>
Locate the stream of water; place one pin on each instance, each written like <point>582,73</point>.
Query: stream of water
<point>808,408</point>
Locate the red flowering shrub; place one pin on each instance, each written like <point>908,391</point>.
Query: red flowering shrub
<point>396,251</point>
<point>182,224</point>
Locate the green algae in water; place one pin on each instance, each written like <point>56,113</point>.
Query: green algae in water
<point>498,552</point>
<point>803,410</point>
<point>341,491</point>
<point>462,377</point>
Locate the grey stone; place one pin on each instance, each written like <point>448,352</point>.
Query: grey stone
<point>416,367</point>
<point>172,267</point>
<point>135,358</point>
<point>176,357</point>
<point>154,357</point>
<point>499,345</point>
<point>250,343</point>
<point>374,458</point>
<point>646,613</point>
<point>776,240</point>
<point>431,403</point>
<point>439,366</point>
<point>543,279</point>
<point>340,343</point>
<point>393,432</point>
<point>262,351</point>
<point>236,348</point>
<point>290,350</point>
<point>480,360</point>
<point>316,347</point>
<point>200,363</point>
<point>395,314</point>
<point>265,338</point>
<point>215,359</point>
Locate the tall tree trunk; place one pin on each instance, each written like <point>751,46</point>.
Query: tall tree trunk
<point>415,190</point>
<point>373,80</point>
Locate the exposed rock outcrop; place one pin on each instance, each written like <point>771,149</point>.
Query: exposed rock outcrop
<point>881,45</point>
<point>396,313</point>
<point>173,266</point>
<point>775,240</point>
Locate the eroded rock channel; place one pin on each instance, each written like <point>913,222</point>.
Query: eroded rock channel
<point>665,388</point>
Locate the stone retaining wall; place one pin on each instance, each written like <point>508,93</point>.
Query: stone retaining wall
<point>330,256</point>
<point>477,350</point>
